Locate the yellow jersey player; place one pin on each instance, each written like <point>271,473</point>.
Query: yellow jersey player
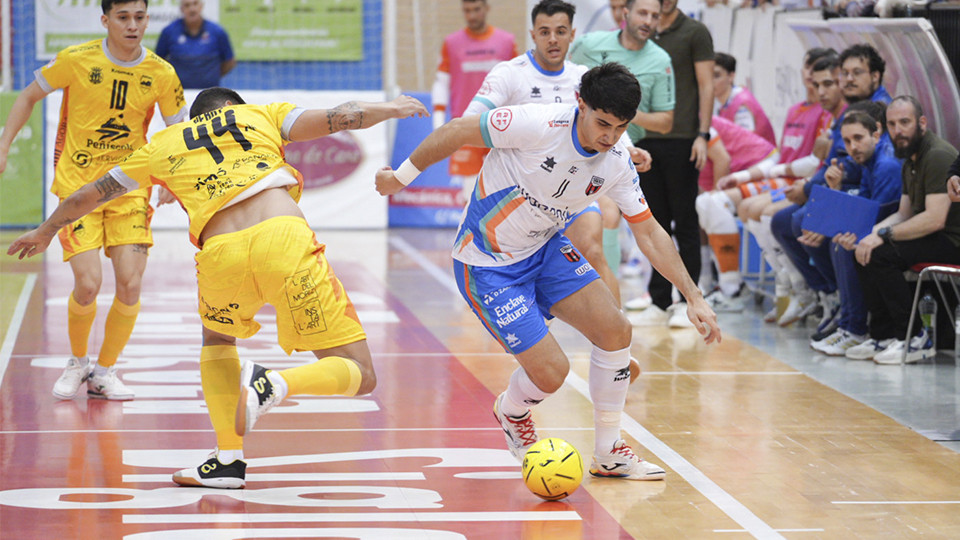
<point>226,168</point>
<point>110,87</point>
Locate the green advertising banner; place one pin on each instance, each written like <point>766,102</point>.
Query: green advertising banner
<point>21,184</point>
<point>294,29</point>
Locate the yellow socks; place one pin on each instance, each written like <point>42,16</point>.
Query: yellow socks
<point>79,322</point>
<point>116,333</point>
<point>220,378</point>
<point>325,377</point>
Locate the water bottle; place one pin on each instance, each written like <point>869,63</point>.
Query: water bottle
<point>956,330</point>
<point>928,317</point>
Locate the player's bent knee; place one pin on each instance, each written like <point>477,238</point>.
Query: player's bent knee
<point>368,379</point>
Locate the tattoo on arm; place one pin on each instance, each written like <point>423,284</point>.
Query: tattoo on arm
<point>346,116</point>
<point>109,188</point>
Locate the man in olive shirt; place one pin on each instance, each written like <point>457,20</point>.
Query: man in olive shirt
<point>671,185</point>
<point>926,228</point>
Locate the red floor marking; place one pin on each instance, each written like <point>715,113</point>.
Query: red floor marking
<point>65,477</point>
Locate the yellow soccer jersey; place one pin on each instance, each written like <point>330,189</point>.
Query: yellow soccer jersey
<point>107,107</point>
<point>207,161</point>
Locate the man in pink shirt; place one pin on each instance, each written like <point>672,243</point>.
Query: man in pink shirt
<point>736,103</point>
<point>466,57</point>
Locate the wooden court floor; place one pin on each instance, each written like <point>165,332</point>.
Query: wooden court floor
<point>752,447</point>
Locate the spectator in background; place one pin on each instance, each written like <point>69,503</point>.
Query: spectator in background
<point>871,151</point>
<point>926,228</point>
<point>671,185</point>
<point>650,64</point>
<point>826,81</point>
<point>953,183</point>
<point>736,103</point>
<point>861,74</point>
<point>731,147</point>
<point>465,59</point>
<point>198,49</point>
<point>616,9</point>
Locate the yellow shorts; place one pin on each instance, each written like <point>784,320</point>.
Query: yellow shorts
<point>122,221</point>
<point>277,262</point>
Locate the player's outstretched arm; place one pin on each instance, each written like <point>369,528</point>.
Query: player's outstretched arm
<point>657,245</point>
<point>80,203</point>
<point>19,114</point>
<point>353,115</point>
<point>438,145</point>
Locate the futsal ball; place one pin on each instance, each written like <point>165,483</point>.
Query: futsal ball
<point>552,469</point>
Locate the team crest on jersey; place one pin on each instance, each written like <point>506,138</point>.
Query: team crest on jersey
<point>500,119</point>
<point>548,164</point>
<point>570,253</point>
<point>146,84</point>
<point>96,75</point>
<point>535,92</point>
<point>595,183</point>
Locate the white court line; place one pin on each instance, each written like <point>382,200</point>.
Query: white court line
<point>7,349</point>
<point>894,502</point>
<point>289,430</point>
<point>778,530</point>
<point>353,517</point>
<point>294,477</point>
<point>720,498</point>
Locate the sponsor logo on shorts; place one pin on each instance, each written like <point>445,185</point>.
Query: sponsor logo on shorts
<point>513,340</point>
<point>583,269</point>
<point>510,311</point>
<point>570,253</point>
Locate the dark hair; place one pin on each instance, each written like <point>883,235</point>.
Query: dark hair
<point>816,53</point>
<point>863,118</point>
<point>105,5</point>
<point>629,3</point>
<point>829,62</point>
<point>917,108</point>
<point>212,99</point>
<point>611,88</point>
<point>551,8</point>
<point>725,61</point>
<point>876,109</point>
<point>867,53</point>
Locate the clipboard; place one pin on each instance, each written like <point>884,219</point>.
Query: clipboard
<point>830,212</point>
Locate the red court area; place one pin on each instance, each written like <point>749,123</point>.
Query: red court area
<point>419,458</point>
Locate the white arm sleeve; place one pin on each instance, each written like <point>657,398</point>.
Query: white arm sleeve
<point>805,166</point>
<point>440,95</point>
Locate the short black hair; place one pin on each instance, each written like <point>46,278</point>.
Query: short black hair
<point>876,109</point>
<point>829,62</point>
<point>629,3</point>
<point>917,107</point>
<point>725,61</point>
<point>867,53</point>
<point>105,5</point>
<point>551,8</point>
<point>816,53</point>
<point>611,88</point>
<point>212,99</point>
<point>865,119</point>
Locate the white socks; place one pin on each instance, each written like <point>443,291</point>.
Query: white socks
<point>521,394</point>
<point>609,383</point>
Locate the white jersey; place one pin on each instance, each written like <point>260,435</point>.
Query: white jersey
<point>521,80</point>
<point>534,179</point>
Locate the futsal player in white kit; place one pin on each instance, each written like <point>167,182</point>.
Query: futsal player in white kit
<point>515,269</point>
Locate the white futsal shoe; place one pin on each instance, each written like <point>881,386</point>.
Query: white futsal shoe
<point>621,462</point>
<point>76,372</point>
